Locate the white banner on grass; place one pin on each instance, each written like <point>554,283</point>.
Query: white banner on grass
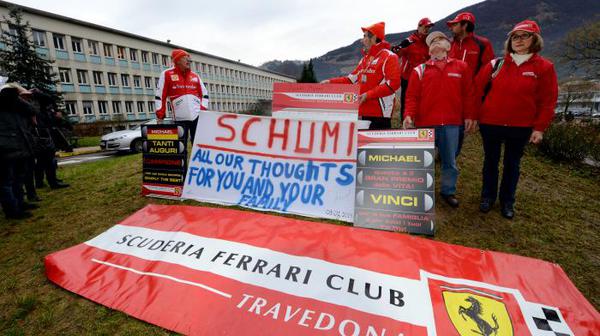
<point>304,167</point>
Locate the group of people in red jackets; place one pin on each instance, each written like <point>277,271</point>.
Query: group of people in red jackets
<point>455,85</point>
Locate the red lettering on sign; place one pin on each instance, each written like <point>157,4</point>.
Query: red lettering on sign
<point>351,139</point>
<point>327,131</point>
<point>283,136</point>
<point>308,149</point>
<point>221,123</point>
<point>245,131</point>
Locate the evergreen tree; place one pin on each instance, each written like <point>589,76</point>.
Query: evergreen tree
<point>308,74</point>
<point>20,62</point>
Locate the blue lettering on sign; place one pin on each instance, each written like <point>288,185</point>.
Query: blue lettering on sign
<point>348,177</point>
<point>201,176</point>
<point>202,156</point>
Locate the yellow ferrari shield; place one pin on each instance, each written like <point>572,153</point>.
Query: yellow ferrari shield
<point>477,315</point>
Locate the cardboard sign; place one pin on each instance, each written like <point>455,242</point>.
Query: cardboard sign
<point>395,182</point>
<point>203,271</point>
<point>295,166</point>
<point>315,101</point>
<point>164,160</point>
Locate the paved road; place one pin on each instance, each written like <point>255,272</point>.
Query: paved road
<point>85,158</point>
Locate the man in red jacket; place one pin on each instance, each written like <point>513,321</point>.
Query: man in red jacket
<point>441,96</point>
<point>468,47</point>
<point>412,51</point>
<point>184,90</point>
<point>378,75</point>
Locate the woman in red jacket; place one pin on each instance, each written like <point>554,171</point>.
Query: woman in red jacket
<point>520,92</point>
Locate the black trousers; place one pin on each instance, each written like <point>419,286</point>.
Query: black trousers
<point>514,139</point>
<point>45,165</point>
<point>379,123</point>
<point>12,177</point>
<point>404,86</point>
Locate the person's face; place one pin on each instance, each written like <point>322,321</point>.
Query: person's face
<point>457,28</point>
<point>423,30</point>
<point>521,41</point>
<point>369,40</point>
<point>183,63</point>
<point>439,45</point>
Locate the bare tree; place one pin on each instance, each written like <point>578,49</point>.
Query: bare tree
<point>576,91</point>
<point>581,49</point>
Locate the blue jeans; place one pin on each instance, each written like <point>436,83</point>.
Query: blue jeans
<point>446,140</point>
<point>12,176</point>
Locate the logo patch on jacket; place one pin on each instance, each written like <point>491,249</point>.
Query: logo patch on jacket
<point>174,77</point>
<point>529,74</point>
<point>374,62</point>
<point>454,74</point>
<point>194,79</point>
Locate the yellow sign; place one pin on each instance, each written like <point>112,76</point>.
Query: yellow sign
<point>477,315</point>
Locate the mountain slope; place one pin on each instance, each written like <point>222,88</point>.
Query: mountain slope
<point>494,19</point>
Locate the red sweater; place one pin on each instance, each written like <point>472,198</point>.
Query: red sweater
<point>438,97</point>
<point>523,96</point>
<point>414,52</point>
<point>469,49</point>
<point>379,77</point>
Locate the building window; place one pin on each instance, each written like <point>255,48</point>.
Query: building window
<point>155,58</point>
<point>116,106</point>
<point>137,81</point>
<point>148,82</point>
<point>76,44</point>
<point>59,41</point>
<point>102,107</point>
<point>39,38</point>
<point>108,50</point>
<point>144,56</point>
<point>133,55</point>
<point>88,108</point>
<point>65,75</point>
<point>125,80</point>
<point>82,76</point>
<point>155,82</point>
<point>129,107</point>
<point>93,47</point>
<point>97,77</point>
<point>71,107</point>
<point>151,107</point>
<point>140,107</point>
<point>120,52</point>
<point>165,60</point>
<point>112,79</point>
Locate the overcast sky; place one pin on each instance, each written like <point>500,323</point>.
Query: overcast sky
<point>253,31</point>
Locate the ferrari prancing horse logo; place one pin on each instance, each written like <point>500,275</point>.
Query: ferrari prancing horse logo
<point>477,315</point>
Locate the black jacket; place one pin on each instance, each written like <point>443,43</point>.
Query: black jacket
<point>16,141</point>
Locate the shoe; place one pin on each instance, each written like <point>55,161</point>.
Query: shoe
<point>35,198</point>
<point>30,206</point>
<point>19,215</point>
<point>59,185</point>
<point>451,200</point>
<point>507,211</point>
<point>485,205</point>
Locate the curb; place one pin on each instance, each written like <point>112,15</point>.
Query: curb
<point>77,152</point>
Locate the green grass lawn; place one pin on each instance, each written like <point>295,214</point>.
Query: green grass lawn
<point>88,141</point>
<point>558,219</point>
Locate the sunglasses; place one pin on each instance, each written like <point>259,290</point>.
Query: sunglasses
<point>522,37</point>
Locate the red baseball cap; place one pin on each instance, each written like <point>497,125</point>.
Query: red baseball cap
<point>426,22</point>
<point>465,16</point>
<point>528,26</point>
<point>377,29</point>
<point>178,53</point>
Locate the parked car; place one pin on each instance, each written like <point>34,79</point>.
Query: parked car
<point>127,140</point>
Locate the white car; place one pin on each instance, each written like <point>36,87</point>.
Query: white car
<point>126,140</point>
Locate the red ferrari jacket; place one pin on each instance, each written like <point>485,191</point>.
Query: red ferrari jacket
<point>519,95</point>
<point>477,51</point>
<point>379,77</point>
<point>414,51</point>
<point>185,91</point>
<point>437,97</point>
